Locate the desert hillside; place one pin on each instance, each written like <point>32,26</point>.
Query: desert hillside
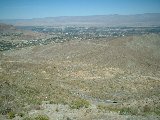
<point>109,78</point>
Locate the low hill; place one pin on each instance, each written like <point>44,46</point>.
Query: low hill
<point>6,28</point>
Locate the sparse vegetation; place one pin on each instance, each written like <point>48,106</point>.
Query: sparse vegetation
<point>128,111</point>
<point>28,118</point>
<point>75,76</point>
<point>102,108</point>
<point>79,104</point>
<point>42,117</point>
<point>38,117</point>
<point>21,114</point>
<point>11,115</point>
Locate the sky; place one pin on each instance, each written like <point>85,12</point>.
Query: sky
<point>27,9</point>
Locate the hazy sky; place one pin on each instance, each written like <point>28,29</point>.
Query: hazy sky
<point>15,9</point>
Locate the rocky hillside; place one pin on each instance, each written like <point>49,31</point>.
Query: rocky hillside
<point>115,78</point>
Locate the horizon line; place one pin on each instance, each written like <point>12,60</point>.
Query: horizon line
<point>75,16</point>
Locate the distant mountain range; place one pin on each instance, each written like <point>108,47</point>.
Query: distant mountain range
<point>137,20</point>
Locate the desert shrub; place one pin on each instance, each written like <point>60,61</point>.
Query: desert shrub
<point>79,104</point>
<point>150,110</point>
<point>146,108</point>
<point>58,101</point>
<point>11,115</point>
<point>57,110</point>
<point>128,111</point>
<point>21,114</point>
<point>51,102</point>
<point>68,118</point>
<point>28,118</point>
<point>4,111</point>
<point>42,117</point>
<point>157,111</point>
<point>102,107</point>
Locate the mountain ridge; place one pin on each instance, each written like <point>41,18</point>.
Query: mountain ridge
<point>114,20</point>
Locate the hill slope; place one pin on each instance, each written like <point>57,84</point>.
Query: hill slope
<point>117,76</point>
